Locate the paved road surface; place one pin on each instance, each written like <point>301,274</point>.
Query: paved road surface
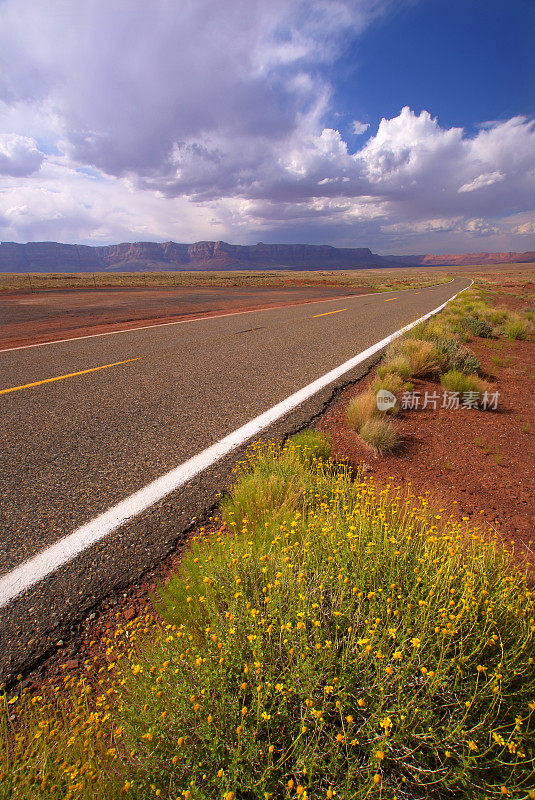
<point>72,448</point>
<point>58,314</point>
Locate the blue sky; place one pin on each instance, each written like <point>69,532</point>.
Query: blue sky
<point>402,125</point>
<point>466,61</point>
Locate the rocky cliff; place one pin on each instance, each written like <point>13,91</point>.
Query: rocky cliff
<point>54,257</point>
<point>127,257</point>
<point>464,259</point>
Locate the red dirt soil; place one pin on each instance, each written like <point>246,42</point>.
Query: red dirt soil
<point>512,300</point>
<point>474,463</point>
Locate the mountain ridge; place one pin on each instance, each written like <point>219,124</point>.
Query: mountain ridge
<point>219,255</point>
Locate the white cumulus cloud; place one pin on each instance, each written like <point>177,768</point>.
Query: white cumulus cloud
<point>19,155</point>
<point>217,120</point>
<point>482,181</point>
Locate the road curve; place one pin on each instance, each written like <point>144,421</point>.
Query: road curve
<point>85,423</point>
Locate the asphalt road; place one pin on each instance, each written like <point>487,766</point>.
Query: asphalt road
<point>71,448</point>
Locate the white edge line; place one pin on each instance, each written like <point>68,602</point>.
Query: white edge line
<point>213,316</point>
<point>43,564</point>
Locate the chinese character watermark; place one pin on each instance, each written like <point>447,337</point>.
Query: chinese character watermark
<point>489,401</point>
<point>430,399</point>
<point>450,400</point>
<point>410,401</point>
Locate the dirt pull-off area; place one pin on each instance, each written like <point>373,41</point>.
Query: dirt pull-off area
<point>27,318</point>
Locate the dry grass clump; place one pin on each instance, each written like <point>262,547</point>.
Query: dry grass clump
<point>361,409</point>
<point>516,327</point>
<point>397,365</point>
<point>495,316</point>
<point>311,447</point>
<point>363,648</point>
<point>271,495</point>
<point>389,381</point>
<point>455,355</point>
<point>422,357</point>
<point>429,330</point>
<point>363,416</point>
<point>362,412</point>
<point>380,435</point>
<point>279,486</point>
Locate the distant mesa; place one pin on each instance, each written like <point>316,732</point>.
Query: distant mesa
<point>464,259</point>
<point>137,256</point>
<point>54,257</point>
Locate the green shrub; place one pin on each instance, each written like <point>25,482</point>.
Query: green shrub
<point>455,381</point>
<point>476,326</point>
<point>360,650</point>
<point>380,435</point>
<point>458,356</point>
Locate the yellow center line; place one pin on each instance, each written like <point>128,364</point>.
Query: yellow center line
<point>326,314</point>
<point>391,298</point>
<point>70,375</point>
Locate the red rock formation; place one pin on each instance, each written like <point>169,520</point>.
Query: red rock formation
<point>126,257</point>
<point>465,259</point>
<point>54,257</point>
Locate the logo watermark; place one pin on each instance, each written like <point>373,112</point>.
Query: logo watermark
<point>385,400</point>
